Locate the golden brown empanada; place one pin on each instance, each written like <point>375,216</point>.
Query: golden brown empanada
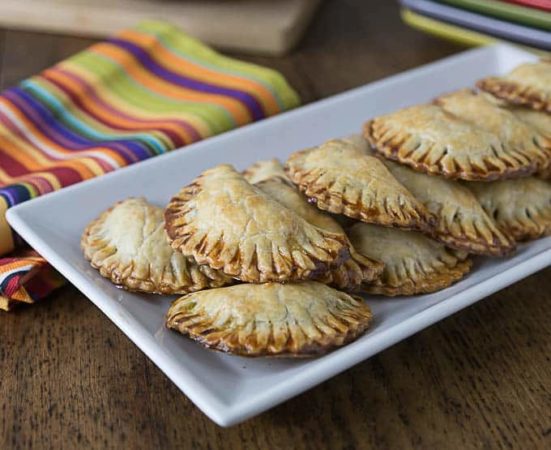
<point>340,178</point>
<point>128,245</point>
<point>541,122</point>
<point>265,170</point>
<point>528,85</point>
<point>428,139</point>
<point>222,220</point>
<point>292,319</point>
<point>520,207</point>
<point>461,222</point>
<point>519,140</point>
<point>292,199</point>
<point>350,274</point>
<point>414,263</point>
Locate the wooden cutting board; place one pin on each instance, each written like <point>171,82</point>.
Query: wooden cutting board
<point>257,26</point>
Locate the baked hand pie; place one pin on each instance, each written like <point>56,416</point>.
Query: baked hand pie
<point>292,199</point>
<point>541,122</point>
<point>461,222</point>
<point>340,178</point>
<point>522,208</point>
<point>520,140</point>
<point>431,140</point>
<point>128,245</point>
<point>414,263</point>
<point>527,85</point>
<point>292,319</point>
<point>351,273</point>
<point>224,221</point>
<point>265,170</point>
<point>273,181</point>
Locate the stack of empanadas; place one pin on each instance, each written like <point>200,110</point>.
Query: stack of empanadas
<point>397,211</point>
<point>221,230</point>
<point>480,161</point>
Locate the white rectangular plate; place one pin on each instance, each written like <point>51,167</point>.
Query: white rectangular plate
<point>231,389</point>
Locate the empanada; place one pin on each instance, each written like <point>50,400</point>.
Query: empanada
<point>541,122</point>
<point>340,178</point>
<point>528,85</point>
<point>461,222</point>
<point>348,275</point>
<point>414,263</point>
<point>292,319</point>
<point>222,220</point>
<point>522,208</point>
<point>428,139</point>
<point>265,170</point>
<point>128,245</point>
<point>291,198</point>
<point>519,140</point>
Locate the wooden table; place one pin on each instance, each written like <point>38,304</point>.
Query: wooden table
<point>480,379</point>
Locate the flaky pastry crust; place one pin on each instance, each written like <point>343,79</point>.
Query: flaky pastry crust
<point>522,208</point>
<point>414,263</point>
<point>461,222</point>
<point>351,273</point>
<point>340,178</point>
<point>520,140</point>
<point>265,170</point>
<point>272,319</point>
<point>541,122</point>
<point>527,85</point>
<point>128,245</point>
<point>431,140</point>
<point>225,222</point>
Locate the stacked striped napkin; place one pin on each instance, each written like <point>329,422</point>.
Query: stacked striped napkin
<point>146,91</point>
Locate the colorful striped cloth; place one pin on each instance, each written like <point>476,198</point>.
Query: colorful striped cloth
<point>146,91</point>
<point>26,277</point>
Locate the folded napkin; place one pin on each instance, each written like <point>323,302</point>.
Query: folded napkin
<point>148,90</point>
<point>26,277</point>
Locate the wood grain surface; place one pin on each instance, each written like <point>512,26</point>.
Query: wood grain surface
<point>481,379</point>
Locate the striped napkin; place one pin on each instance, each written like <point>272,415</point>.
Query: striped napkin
<point>26,277</point>
<point>148,90</point>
